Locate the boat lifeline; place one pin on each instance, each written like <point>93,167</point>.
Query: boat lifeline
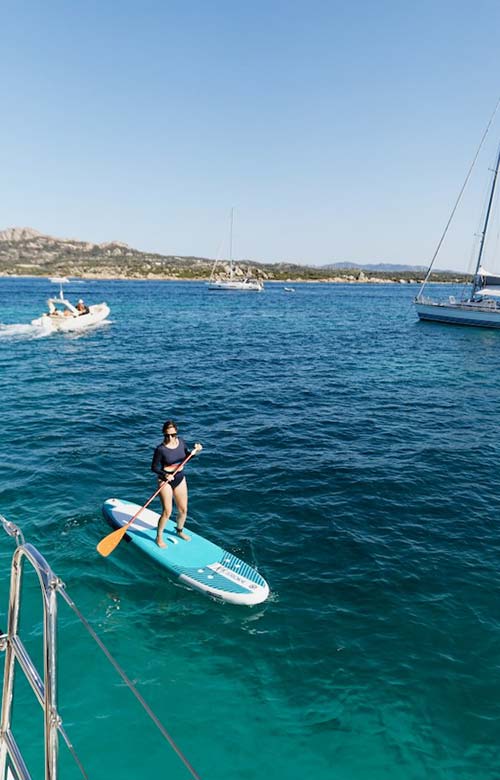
<point>232,280</point>
<point>63,316</point>
<point>479,306</point>
<point>17,725</point>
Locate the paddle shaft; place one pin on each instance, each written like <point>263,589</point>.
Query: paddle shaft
<point>112,540</point>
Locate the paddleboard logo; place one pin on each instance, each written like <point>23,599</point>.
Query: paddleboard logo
<point>231,575</point>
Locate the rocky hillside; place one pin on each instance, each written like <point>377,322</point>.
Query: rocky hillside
<point>26,252</point>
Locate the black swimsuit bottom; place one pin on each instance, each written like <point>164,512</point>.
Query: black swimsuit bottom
<point>176,480</point>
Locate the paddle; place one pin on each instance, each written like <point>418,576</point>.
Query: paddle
<point>112,540</point>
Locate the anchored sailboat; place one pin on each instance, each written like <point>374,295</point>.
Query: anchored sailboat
<point>481,306</point>
<point>230,281</point>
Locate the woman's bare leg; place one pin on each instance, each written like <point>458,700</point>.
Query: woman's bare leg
<point>181,502</point>
<point>166,502</point>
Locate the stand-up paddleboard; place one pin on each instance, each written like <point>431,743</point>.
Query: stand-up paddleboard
<point>199,563</point>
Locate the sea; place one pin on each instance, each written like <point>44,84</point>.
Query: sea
<point>351,454</point>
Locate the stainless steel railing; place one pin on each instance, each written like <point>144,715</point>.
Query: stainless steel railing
<point>12,764</point>
<point>45,690</point>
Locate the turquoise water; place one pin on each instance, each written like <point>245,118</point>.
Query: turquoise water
<point>350,454</point>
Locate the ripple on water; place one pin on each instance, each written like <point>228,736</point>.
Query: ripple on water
<point>349,453</point>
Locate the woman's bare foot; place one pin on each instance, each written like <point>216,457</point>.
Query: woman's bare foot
<point>181,533</point>
<point>160,542</point>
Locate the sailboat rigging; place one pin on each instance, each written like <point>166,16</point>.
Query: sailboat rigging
<point>481,308</point>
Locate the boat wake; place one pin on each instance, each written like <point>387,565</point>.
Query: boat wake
<point>22,331</point>
<point>30,331</point>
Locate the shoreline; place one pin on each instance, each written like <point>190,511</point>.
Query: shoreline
<point>160,278</point>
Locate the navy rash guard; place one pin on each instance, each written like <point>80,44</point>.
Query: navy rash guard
<point>167,456</point>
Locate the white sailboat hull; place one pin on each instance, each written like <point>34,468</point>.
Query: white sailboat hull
<point>96,314</point>
<point>481,314</point>
<point>248,285</point>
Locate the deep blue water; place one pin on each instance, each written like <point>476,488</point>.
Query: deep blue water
<point>350,454</point>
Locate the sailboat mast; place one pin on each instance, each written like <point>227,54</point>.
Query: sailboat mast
<point>486,221</point>
<point>231,244</point>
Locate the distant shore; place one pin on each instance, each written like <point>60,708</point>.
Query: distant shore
<point>25,252</point>
<point>166,278</point>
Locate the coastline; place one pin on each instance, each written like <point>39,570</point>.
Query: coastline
<point>25,252</point>
<point>167,278</point>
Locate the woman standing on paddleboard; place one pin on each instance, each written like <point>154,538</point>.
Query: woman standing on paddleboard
<point>166,459</point>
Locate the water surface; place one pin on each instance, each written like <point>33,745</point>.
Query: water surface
<point>350,454</point>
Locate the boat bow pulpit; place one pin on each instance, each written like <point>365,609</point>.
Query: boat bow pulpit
<point>12,763</point>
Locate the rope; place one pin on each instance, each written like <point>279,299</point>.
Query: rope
<point>73,752</point>
<point>217,259</point>
<point>128,682</point>
<point>473,163</point>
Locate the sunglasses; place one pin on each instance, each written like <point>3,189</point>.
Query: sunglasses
<point>169,433</point>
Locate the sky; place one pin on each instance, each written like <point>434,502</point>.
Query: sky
<point>337,131</point>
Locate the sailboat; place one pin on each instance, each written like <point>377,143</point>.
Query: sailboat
<point>229,281</point>
<point>481,306</point>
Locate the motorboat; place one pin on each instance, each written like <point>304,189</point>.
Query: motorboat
<point>63,316</point>
<point>70,319</point>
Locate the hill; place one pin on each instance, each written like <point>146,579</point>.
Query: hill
<point>27,252</point>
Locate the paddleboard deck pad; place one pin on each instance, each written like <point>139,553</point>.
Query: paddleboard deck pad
<point>200,564</point>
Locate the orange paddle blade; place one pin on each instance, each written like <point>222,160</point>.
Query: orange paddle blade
<point>112,540</point>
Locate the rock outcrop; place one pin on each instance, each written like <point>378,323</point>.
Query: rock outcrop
<point>19,234</point>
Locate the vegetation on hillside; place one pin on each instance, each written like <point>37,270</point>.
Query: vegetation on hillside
<point>26,252</point>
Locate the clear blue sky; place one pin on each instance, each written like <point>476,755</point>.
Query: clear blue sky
<point>336,130</point>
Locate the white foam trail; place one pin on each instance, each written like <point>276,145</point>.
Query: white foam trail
<point>23,331</point>
<point>30,331</point>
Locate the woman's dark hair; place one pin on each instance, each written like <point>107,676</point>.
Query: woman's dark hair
<point>169,424</point>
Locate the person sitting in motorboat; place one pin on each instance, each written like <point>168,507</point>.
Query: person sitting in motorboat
<point>82,307</point>
<point>53,311</point>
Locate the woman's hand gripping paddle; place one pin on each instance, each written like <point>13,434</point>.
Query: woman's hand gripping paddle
<point>112,540</point>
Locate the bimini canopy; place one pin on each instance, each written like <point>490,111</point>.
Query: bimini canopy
<point>487,279</point>
<point>487,284</point>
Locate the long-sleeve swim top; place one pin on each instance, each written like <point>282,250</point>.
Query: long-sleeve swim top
<point>166,457</point>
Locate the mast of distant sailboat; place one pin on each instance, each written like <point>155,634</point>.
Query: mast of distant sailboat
<point>231,245</point>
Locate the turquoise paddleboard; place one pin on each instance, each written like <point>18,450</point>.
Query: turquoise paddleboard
<point>200,564</point>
